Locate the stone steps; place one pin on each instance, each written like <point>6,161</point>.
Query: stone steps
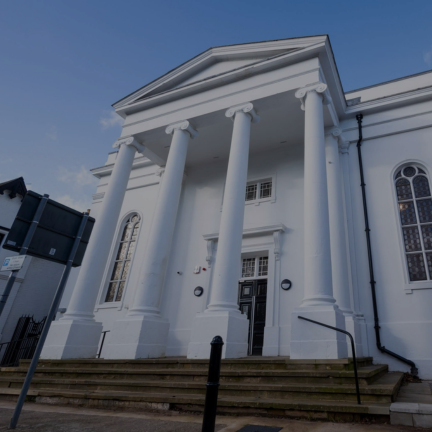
<point>275,386</point>
<point>382,390</point>
<point>254,363</point>
<point>330,410</point>
<point>367,375</point>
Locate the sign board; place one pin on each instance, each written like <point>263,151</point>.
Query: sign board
<point>13,263</point>
<point>55,233</point>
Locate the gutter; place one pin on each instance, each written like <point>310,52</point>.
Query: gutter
<point>383,349</point>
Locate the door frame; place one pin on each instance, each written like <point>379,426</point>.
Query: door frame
<point>267,246</point>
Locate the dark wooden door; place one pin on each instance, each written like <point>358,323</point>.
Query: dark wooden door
<point>252,302</point>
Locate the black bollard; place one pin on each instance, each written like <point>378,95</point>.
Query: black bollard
<point>212,389</point>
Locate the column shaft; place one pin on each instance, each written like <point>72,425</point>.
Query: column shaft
<point>77,334</point>
<point>149,290</point>
<point>227,266</point>
<point>143,333</point>
<point>318,278</point>
<point>339,256</point>
<point>222,316</point>
<point>84,295</point>
<point>308,340</point>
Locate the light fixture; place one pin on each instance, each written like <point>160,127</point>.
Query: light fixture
<point>286,284</point>
<point>283,142</point>
<point>198,291</point>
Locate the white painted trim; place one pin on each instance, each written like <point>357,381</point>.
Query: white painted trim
<point>408,285</point>
<point>100,303</point>
<point>252,231</point>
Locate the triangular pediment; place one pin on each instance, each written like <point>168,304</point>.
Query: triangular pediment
<point>218,62</point>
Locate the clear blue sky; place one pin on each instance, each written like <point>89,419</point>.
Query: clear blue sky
<point>64,62</point>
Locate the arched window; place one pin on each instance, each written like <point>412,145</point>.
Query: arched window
<point>123,259</point>
<point>415,210</point>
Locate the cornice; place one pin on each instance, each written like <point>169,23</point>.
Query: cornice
<point>407,97</point>
<point>247,108</point>
<point>254,68</point>
<point>221,52</point>
<point>165,113</point>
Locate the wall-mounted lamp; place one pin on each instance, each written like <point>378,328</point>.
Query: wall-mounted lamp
<point>286,284</point>
<point>198,291</point>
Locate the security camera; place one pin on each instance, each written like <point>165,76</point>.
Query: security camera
<point>179,273</point>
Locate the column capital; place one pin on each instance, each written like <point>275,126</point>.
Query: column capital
<point>334,132</point>
<point>343,144</point>
<point>130,141</point>
<point>184,126</point>
<point>319,88</point>
<point>247,108</point>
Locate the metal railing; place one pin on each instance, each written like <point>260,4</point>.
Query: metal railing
<point>352,347</point>
<point>102,343</point>
<point>18,350</point>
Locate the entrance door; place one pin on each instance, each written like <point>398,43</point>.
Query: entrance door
<point>252,302</point>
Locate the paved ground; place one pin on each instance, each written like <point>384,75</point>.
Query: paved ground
<point>416,393</point>
<point>49,418</point>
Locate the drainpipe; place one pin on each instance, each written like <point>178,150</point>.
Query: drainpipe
<point>383,349</point>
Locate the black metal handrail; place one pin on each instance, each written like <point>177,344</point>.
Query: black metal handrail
<point>352,347</point>
<point>102,343</point>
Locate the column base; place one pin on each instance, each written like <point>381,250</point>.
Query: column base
<point>70,339</point>
<point>353,326</point>
<point>134,337</point>
<point>232,325</point>
<point>311,341</point>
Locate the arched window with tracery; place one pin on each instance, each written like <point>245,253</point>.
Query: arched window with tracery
<point>123,259</point>
<point>415,210</point>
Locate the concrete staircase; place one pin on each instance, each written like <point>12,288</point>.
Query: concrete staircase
<point>320,389</point>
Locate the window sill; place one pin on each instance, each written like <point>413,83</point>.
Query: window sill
<point>417,286</point>
<point>110,305</point>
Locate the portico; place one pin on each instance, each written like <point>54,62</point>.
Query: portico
<point>185,124</point>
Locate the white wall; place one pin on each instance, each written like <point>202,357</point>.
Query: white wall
<point>405,315</point>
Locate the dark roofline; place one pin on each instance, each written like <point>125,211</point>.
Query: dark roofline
<point>390,81</point>
<point>209,49</point>
<point>15,187</point>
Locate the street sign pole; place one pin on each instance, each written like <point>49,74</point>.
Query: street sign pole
<point>23,250</point>
<point>50,317</point>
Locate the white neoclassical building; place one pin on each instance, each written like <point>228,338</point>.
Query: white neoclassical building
<point>246,190</point>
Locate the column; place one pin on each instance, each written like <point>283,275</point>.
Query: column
<point>143,332</point>
<point>338,239</point>
<point>77,334</point>
<point>222,316</point>
<point>308,340</point>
